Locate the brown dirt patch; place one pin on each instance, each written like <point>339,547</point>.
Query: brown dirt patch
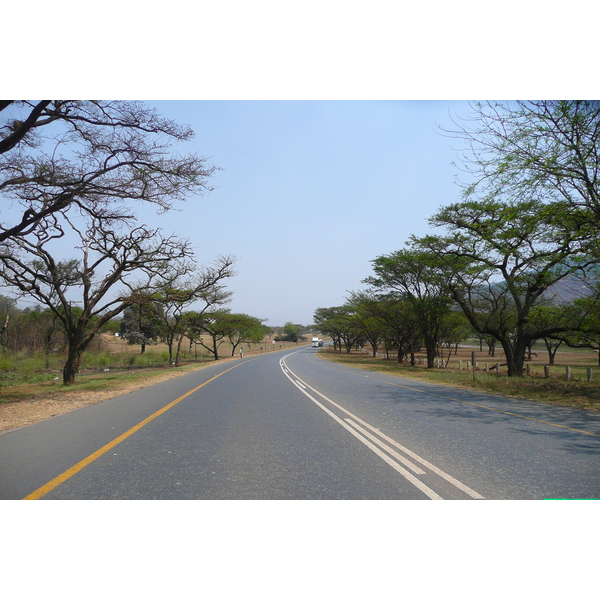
<point>14,415</point>
<point>45,406</point>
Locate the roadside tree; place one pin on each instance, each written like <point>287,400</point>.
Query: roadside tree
<point>102,156</point>
<point>415,276</point>
<point>247,330</point>
<point>546,150</point>
<point>113,258</point>
<point>367,318</point>
<point>205,287</point>
<point>8,310</point>
<point>218,325</point>
<point>141,322</point>
<point>291,332</point>
<point>337,322</point>
<point>587,309</point>
<point>502,258</point>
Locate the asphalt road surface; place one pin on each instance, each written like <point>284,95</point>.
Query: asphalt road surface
<point>290,425</point>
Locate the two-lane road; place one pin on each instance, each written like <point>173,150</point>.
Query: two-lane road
<point>293,426</point>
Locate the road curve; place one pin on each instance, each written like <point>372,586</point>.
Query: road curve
<point>289,425</point>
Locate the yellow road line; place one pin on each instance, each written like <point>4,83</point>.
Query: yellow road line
<point>456,399</point>
<point>48,487</point>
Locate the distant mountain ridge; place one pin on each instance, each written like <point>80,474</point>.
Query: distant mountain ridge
<point>570,289</point>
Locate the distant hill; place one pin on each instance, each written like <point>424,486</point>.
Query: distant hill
<point>569,289</point>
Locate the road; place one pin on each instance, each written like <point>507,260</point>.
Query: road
<point>290,425</point>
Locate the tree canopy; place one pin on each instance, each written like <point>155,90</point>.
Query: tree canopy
<point>543,149</point>
<point>100,155</point>
<point>528,219</point>
<point>76,170</point>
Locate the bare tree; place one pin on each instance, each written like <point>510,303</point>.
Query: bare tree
<point>118,263</point>
<point>102,155</point>
<point>76,169</point>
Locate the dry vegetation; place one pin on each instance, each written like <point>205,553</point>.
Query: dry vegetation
<point>27,403</point>
<point>577,392</point>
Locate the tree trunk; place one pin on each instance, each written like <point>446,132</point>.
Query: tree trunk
<point>48,342</point>
<point>431,351</point>
<point>515,357</point>
<point>72,365</point>
<point>179,343</point>
<point>552,349</point>
<point>170,341</point>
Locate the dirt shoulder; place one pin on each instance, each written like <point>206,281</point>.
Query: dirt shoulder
<point>14,415</point>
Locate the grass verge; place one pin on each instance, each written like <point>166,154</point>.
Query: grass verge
<point>575,393</point>
<point>94,382</point>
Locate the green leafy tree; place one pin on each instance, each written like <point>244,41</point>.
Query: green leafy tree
<point>326,324</point>
<point>415,276</point>
<point>502,259</point>
<point>218,325</point>
<point>290,332</point>
<point>403,332</point>
<point>338,322</point>
<point>455,329</point>
<point>587,311</point>
<point>366,318</point>
<point>546,150</point>
<point>205,288</point>
<point>141,322</point>
<point>247,330</point>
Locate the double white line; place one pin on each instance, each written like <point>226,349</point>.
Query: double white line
<point>372,438</point>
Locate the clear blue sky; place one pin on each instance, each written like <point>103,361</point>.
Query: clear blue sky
<point>313,186</point>
<point>311,191</point>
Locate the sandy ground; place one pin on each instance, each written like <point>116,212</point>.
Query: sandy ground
<point>26,412</point>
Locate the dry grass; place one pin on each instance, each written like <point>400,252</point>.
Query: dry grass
<point>28,403</point>
<point>577,392</point>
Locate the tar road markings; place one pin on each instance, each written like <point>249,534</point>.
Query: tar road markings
<point>382,445</point>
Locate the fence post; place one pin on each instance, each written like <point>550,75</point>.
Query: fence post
<point>589,374</point>
<point>497,367</point>
<point>568,373</point>
<point>460,365</point>
<point>546,371</point>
